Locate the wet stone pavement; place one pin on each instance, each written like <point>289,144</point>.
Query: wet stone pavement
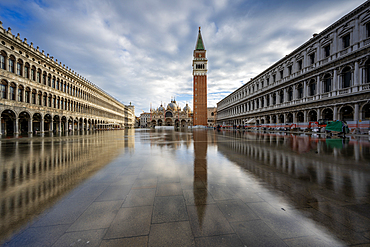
<point>193,188</point>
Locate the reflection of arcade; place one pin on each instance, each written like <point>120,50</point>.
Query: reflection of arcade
<point>200,173</point>
<point>35,173</point>
<point>323,179</point>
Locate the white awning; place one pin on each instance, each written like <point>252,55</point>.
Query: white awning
<point>251,121</point>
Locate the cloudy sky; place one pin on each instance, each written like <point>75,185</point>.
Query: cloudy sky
<point>140,51</point>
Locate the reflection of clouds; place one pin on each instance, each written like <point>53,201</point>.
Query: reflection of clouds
<point>37,172</point>
<point>309,173</point>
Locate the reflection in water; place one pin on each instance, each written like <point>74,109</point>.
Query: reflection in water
<point>36,172</point>
<point>324,178</point>
<point>200,173</point>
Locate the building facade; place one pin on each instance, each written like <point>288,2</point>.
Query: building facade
<point>328,77</point>
<point>173,115</point>
<point>200,83</point>
<point>211,116</point>
<point>38,94</point>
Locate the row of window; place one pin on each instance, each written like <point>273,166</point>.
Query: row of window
<point>43,99</point>
<point>312,90</point>
<point>47,79</point>
<point>345,43</point>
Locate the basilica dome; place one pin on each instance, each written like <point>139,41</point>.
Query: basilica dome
<point>187,108</point>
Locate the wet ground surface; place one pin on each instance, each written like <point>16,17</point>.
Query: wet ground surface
<point>200,188</point>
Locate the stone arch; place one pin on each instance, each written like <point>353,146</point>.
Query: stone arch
<point>312,116</point>
<point>24,119</point>
<point>365,112</point>
<point>327,114</point>
<point>346,113</point>
<point>289,118</point>
<point>8,122</point>
<point>300,117</point>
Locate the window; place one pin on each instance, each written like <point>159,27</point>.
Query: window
<point>2,62</point>
<point>346,41</point>
<point>27,96</point>
<point>368,30</point>
<point>327,83</point>
<point>281,74</point>
<point>290,94</point>
<point>19,68</point>
<point>3,91</point>
<point>312,88</point>
<point>12,92</point>
<point>300,91</point>
<point>11,65</point>
<point>327,50</point>
<point>346,77</point>
<point>44,79</point>
<point>20,94</point>
<point>273,78</point>
<point>300,62</point>
<point>367,73</point>
<point>53,83</point>
<point>26,69</point>
<point>290,70</point>
<point>281,97</point>
<point>38,79</point>
<point>312,58</point>
<point>267,81</point>
<point>33,97</point>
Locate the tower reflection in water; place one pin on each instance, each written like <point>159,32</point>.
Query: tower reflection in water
<point>36,172</point>
<point>200,173</point>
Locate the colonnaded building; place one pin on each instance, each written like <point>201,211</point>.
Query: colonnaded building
<point>328,77</point>
<point>172,115</point>
<point>38,94</point>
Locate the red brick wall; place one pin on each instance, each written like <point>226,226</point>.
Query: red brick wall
<point>200,100</point>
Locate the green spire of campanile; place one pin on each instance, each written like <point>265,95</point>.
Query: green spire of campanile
<point>200,44</point>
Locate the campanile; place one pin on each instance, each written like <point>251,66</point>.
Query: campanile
<point>199,83</point>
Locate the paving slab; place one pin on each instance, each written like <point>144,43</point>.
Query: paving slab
<point>169,208</point>
<point>171,234</point>
<point>137,198</point>
<point>130,222</point>
<point>98,215</point>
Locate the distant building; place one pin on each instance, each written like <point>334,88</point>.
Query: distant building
<point>200,83</point>
<point>145,119</point>
<point>328,77</point>
<point>211,116</point>
<point>38,94</point>
<point>173,115</point>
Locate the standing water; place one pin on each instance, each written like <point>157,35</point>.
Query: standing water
<point>201,187</point>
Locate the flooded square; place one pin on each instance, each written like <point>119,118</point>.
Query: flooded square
<point>149,187</point>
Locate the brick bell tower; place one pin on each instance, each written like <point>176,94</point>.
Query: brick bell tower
<point>199,83</point>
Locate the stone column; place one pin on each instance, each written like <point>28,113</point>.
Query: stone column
<point>318,114</point>
<point>356,115</point>
<point>305,119</point>
<point>16,126</point>
<point>294,117</point>
<point>285,96</point>
<point>356,76</point>
<point>305,89</point>
<point>42,125</point>
<point>319,85</point>
<point>78,125</point>
<point>30,125</point>
<point>335,81</point>
<point>335,113</point>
